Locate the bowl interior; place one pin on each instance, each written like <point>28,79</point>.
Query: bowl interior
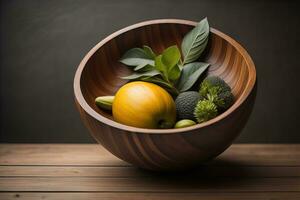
<point>102,71</point>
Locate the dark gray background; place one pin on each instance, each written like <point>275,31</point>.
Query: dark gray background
<point>42,42</point>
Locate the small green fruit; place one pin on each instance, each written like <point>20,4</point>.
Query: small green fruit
<point>184,123</point>
<point>105,102</point>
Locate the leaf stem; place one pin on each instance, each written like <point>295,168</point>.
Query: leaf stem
<point>173,89</point>
<point>181,62</point>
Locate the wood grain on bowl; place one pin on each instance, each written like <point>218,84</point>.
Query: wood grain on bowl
<point>99,74</point>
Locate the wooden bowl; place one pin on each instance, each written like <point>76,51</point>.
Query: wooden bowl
<point>160,149</point>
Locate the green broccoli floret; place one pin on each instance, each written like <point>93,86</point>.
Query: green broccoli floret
<point>205,110</point>
<point>218,91</point>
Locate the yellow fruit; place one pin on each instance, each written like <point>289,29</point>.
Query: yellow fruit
<point>144,105</point>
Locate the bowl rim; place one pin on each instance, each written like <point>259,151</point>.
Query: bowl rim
<point>84,105</point>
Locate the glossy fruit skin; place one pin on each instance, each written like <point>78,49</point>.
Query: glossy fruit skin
<point>144,105</point>
<point>184,123</point>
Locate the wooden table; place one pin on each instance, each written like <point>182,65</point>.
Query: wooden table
<point>87,171</point>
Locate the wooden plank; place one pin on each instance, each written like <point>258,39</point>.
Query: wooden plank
<point>152,196</point>
<point>68,171</point>
<point>56,154</point>
<point>95,171</point>
<point>150,184</point>
<point>95,155</point>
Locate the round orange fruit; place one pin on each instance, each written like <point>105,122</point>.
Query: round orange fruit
<point>144,105</point>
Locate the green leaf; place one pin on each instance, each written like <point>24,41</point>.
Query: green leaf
<point>190,74</point>
<point>167,63</point>
<point>158,81</point>
<point>194,43</point>
<point>174,73</point>
<point>141,68</point>
<point>137,75</point>
<point>171,56</point>
<point>159,65</point>
<point>149,52</point>
<point>167,86</point>
<point>137,57</point>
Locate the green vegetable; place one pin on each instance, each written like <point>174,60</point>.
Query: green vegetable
<point>205,110</point>
<point>194,43</point>
<point>105,102</point>
<point>184,123</point>
<point>167,69</point>
<point>190,74</point>
<point>218,91</point>
<point>186,103</point>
